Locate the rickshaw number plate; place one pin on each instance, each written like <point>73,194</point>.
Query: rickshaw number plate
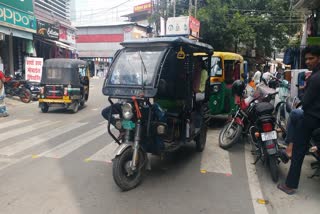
<point>128,124</point>
<point>269,136</point>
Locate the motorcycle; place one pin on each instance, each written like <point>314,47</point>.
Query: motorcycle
<point>255,117</point>
<point>18,88</point>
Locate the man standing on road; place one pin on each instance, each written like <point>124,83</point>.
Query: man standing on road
<point>3,109</point>
<point>257,77</point>
<point>308,122</point>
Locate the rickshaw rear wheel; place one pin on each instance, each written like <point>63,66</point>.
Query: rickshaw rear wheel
<point>75,107</point>
<point>82,103</point>
<point>201,139</point>
<point>44,107</point>
<point>121,173</point>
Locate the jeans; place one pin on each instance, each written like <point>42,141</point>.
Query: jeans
<point>116,109</point>
<point>300,148</point>
<point>294,126</point>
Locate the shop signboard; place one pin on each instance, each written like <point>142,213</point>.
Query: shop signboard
<point>17,19</point>
<point>183,25</point>
<point>33,68</point>
<point>20,5</point>
<point>143,7</point>
<point>67,35</point>
<point>47,30</point>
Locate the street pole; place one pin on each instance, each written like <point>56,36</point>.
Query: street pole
<point>190,7</point>
<point>195,8</point>
<point>174,8</point>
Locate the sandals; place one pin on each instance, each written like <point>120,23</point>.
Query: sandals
<point>284,156</point>
<point>286,189</point>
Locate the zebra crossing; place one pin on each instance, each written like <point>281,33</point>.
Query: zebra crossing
<point>68,137</point>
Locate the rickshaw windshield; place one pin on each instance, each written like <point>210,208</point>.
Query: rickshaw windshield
<point>216,68</point>
<point>136,66</point>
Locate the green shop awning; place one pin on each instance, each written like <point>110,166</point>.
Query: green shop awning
<point>16,33</point>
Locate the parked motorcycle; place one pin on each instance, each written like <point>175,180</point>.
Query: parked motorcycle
<point>255,117</point>
<point>17,88</point>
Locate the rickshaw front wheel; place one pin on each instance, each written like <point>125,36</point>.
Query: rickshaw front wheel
<point>44,107</point>
<point>123,176</point>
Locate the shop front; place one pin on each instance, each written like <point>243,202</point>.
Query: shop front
<point>47,42</point>
<point>17,23</point>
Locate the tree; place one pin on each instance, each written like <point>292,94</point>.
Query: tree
<point>262,24</point>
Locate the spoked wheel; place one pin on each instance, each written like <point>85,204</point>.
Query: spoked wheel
<point>26,95</point>
<point>123,176</point>
<point>201,138</point>
<point>229,135</point>
<point>44,107</point>
<point>274,168</point>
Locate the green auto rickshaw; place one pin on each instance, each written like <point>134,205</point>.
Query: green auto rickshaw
<point>226,67</point>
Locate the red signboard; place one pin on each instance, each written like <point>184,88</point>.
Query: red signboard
<point>96,38</point>
<point>194,25</point>
<point>143,7</point>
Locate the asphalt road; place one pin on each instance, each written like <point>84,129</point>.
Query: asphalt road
<point>60,162</point>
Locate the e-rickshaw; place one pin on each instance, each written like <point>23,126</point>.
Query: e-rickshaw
<point>153,105</point>
<point>64,83</point>
<point>226,68</point>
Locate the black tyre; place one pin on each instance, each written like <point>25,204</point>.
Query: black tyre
<point>201,139</point>
<point>82,103</point>
<point>228,137</point>
<point>120,170</point>
<point>44,107</point>
<point>75,107</point>
<point>26,95</point>
<point>274,167</point>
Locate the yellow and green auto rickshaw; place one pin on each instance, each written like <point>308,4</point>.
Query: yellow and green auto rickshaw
<point>64,83</point>
<point>226,67</point>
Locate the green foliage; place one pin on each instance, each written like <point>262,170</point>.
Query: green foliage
<point>264,24</point>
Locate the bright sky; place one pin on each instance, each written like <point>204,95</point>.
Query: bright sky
<point>103,11</point>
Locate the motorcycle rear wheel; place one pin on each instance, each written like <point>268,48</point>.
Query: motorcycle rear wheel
<point>120,170</point>
<point>227,138</point>
<point>26,95</point>
<point>273,166</point>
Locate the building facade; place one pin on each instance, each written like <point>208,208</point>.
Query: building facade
<point>17,26</point>
<point>37,28</point>
<point>98,44</point>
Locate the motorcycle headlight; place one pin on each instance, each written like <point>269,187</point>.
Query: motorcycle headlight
<point>127,111</point>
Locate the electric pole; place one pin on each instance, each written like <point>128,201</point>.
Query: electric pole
<point>190,7</point>
<point>174,8</point>
<point>195,8</point>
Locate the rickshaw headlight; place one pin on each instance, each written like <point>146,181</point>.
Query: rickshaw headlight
<point>161,129</point>
<point>216,88</point>
<point>127,111</point>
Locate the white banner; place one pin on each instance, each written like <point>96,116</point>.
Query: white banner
<point>33,69</point>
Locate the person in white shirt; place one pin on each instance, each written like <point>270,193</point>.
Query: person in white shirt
<point>257,77</point>
<point>267,76</point>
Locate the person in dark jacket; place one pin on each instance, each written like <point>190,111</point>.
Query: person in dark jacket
<point>309,122</point>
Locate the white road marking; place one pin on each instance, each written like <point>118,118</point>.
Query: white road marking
<point>28,143</point>
<point>254,185</point>
<point>107,153</point>
<point>23,130</point>
<point>11,123</point>
<point>74,143</point>
<point>214,159</point>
